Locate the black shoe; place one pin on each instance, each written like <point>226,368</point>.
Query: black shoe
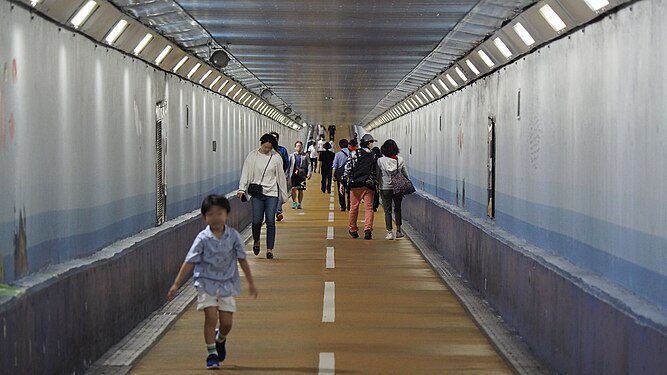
<point>220,347</point>
<point>255,249</point>
<point>343,209</point>
<point>212,361</point>
<point>269,255</point>
<point>368,235</point>
<point>354,234</point>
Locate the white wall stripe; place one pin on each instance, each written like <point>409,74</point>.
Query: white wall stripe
<point>330,257</point>
<point>330,233</point>
<point>331,217</point>
<point>327,364</point>
<point>329,307</point>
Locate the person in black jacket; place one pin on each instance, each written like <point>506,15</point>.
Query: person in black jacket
<point>327,159</point>
<point>361,178</point>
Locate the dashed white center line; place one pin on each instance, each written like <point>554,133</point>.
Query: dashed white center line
<point>331,217</point>
<point>331,207</point>
<point>330,257</point>
<point>330,233</point>
<point>331,200</point>
<point>327,364</point>
<point>329,308</point>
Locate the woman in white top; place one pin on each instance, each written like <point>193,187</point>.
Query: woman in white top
<point>313,153</point>
<point>391,163</point>
<point>263,169</point>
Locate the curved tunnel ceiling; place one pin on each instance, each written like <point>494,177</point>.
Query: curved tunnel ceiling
<point>335,61</point>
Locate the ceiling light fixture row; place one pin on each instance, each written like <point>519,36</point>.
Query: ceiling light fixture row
<point>536,26</point>
<point>103,22</point>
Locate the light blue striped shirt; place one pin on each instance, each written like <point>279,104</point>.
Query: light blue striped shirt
<point>215,259</point>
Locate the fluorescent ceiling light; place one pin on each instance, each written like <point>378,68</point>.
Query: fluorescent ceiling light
<point>424,96</point>
<point>83,14</point>
<point>435,88</point>
<point>414,102</point>
<point>251,102</point>
<point>237,93</point>
<point>550,15</point>
<point>596,4</point>
<point>472,67</point>
<point>116,31</point>
<point>429,92</point>
<point>460,73</point>
<point>230,89</point>
<point>451,80</point>
<point>223,85</point>
<point>419,100</point>
<point>214,82</point>
<point>523,34</point>
<point>205,76</point>
<point>443,84</point>
<point>163,55</point>
<point>193,70</point>
<point>486,59</point>
<point>502,48</point>
<point>246,99</point>
<point>144,42</point>
<point>180,64</point>
<point>34,3</point>
<point>243,96</point>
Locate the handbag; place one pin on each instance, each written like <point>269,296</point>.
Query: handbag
<point>402,185</point>
<point>257,189</point>
<point>299,170</point>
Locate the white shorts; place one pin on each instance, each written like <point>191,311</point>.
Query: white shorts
<point>205,300</point>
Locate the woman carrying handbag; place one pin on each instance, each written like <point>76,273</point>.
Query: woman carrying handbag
<point>394,184</point>
<point>263,179</point>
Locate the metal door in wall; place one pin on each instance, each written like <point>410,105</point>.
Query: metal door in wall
<point>491,166</point>
<point>160,181</point>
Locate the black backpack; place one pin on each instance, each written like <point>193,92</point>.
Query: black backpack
<point>363,172</point>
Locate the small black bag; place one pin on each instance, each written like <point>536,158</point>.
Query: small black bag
<point>258,189</point>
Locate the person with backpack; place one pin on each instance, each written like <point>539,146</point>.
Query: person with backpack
<point>361,176</point>
<point>285,156</point>
<point>391,164</point>
<point>300,169</point>
<point>327,159</point>
<point>338,169</point>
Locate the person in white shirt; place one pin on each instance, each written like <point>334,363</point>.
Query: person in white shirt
<point>263,169</point>
<point>313,153</point>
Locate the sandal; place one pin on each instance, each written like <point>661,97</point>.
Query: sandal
<point>269,255</point>
<point>255,249</point>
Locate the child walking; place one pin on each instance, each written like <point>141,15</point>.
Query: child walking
<point>213,256</point>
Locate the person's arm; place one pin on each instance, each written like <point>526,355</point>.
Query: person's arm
<point>186,269</point>
<point>243,182</point>
<point>251,283</point>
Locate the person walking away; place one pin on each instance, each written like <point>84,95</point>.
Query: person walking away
<point>361,177</point>
<point>263,178</point>
<point>285,156</point>
<point>320,131</point>
<point>327,159</point>
<point>332,132</point>
<point>391,163</point>
<point>213,256</point>
<point>313,153</point>
<point>376,200</point>
<point>338,169</point>
<point>300,169</point>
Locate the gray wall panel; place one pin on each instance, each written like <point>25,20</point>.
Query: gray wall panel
<point>579,172</point>
<point>77,158</point>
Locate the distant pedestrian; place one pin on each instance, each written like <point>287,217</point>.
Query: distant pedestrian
<point>391,163</point>
<point>361,177</point>
<point>327,159</point>
<point>313,154</point>
<point>332,132</point>
<point>213,256</point>
<point>300,169</point>
<point>338,168</point>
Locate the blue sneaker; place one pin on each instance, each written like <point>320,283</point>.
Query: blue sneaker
<point>212,361</point>
<point>220,347</point>
<point>294,205</point>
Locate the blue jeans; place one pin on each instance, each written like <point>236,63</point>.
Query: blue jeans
<point>264,208</point>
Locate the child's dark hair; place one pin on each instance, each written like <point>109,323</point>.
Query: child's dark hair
<point>215,200</point>
<point>390,148</point>
<point>298,143</point>
<point>343,143</point>
<point>268,138</point>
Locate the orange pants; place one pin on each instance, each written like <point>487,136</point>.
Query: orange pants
<point>356,196</point>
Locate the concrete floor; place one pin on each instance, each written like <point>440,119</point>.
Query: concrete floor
<point>393,315</point>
